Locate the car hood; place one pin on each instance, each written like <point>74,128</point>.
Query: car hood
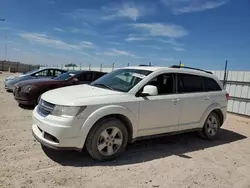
<point>37,82</point>
<point>78,95</point>
<point>14,77</point>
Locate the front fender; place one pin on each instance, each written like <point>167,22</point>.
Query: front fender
<point>212,107</point>
<point>105,111</point>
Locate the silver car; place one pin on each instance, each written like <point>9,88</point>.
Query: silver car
<point>35,74</point>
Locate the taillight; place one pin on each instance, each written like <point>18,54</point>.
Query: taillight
<point>227,96</point>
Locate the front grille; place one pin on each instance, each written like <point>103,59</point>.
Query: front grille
<point>44,108</point>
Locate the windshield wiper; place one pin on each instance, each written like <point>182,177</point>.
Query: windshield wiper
<point>103,85</point>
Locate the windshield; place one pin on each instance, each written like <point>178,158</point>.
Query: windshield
<point>66,76</point>
<point>30,72</point>
<point>121,79</point>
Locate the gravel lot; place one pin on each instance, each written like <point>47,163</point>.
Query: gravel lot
<point>175,161</point>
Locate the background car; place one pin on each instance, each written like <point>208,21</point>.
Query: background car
<point>28,92</point>
<point>36,74</point>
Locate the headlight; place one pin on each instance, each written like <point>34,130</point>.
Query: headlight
<point>26,89</point>
<point>67,111</point>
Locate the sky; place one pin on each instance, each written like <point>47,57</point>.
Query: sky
<point>199,33</point>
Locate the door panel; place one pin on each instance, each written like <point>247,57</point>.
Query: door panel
<point>193,100</point>
<point>158,114</point>
<point>193,106</point>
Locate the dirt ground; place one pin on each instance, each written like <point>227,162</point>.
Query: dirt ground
<point>175,161</point>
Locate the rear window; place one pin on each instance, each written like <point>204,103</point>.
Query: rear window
<point>211,85</point>
<point>190,83</point>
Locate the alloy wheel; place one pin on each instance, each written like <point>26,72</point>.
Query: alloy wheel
<point>110,141</point>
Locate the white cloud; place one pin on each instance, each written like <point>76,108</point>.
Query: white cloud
<point>129,10</point>
<point>186,6</point>
<point>160,29</point>
<point>178,49</point>
<point>58,29</point>
<point>44,39</point>
<point>15,49</point>
<point>131,38</point>
<point>115,52</point>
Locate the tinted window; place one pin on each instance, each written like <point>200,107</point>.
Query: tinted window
<point>42,73</point>
<point>98,75</point>
<point>211,85</point>
<point>164,83</point>
<point>189,83</point>
<point>66,76</point>
<point>87,76</point>
<point>57,73</point>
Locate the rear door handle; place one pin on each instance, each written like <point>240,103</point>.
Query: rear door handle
<point>206,98</point>
<point>175,100</point>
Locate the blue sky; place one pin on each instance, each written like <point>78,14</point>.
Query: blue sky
<point>200,33</point>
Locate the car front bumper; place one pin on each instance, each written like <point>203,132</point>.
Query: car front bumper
<point>56,132</point>
<point>23,98</point>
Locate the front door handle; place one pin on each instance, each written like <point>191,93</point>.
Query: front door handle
<point>175,100</point>
<point>206,98</point>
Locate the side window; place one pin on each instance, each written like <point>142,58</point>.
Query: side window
<point>42,73</point>
<point>211,85</point>
<point>50,72</point>
<point>188,83</point>
<point>57,73</point>
<point>165,83</point>
<point>87,77</point>
<point>98,75</point>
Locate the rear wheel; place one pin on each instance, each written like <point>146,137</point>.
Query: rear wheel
<point>211,126</point>
<point>107,140</point>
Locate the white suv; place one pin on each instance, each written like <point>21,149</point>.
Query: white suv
<point>127,104</point>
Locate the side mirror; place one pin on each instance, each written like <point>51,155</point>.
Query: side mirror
<point>150,90</point>
<point>36,75</point>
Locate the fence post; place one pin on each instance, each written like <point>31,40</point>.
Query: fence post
<point>80,66</point>
<point>225,74</point>
<point>90,66</point>
<point>128,65</point>
<point>101,67</point>
<point>17,67</point>
<point>113,65</point>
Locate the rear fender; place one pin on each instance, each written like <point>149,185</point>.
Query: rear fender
<point>212,107</point>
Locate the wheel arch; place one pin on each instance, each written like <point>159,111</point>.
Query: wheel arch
<point>114,111</point>
<point>125,120</point>
<point>216,108</point>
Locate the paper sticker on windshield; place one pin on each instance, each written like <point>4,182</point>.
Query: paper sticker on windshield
<point>138,75</point>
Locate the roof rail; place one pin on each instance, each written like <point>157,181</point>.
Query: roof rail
<point>142,65</point>
<point>177,66</point>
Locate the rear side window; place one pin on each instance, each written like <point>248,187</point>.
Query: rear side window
<point>86,76</point>
<point>189,83</point>
<point>98,75</point>
<point>211,85</point>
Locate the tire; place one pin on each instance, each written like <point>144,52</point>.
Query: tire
<point>211,127</point>
<point>100,145</point>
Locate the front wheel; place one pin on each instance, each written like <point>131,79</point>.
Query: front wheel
<point>107,140</point>
<point>211,126</point>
